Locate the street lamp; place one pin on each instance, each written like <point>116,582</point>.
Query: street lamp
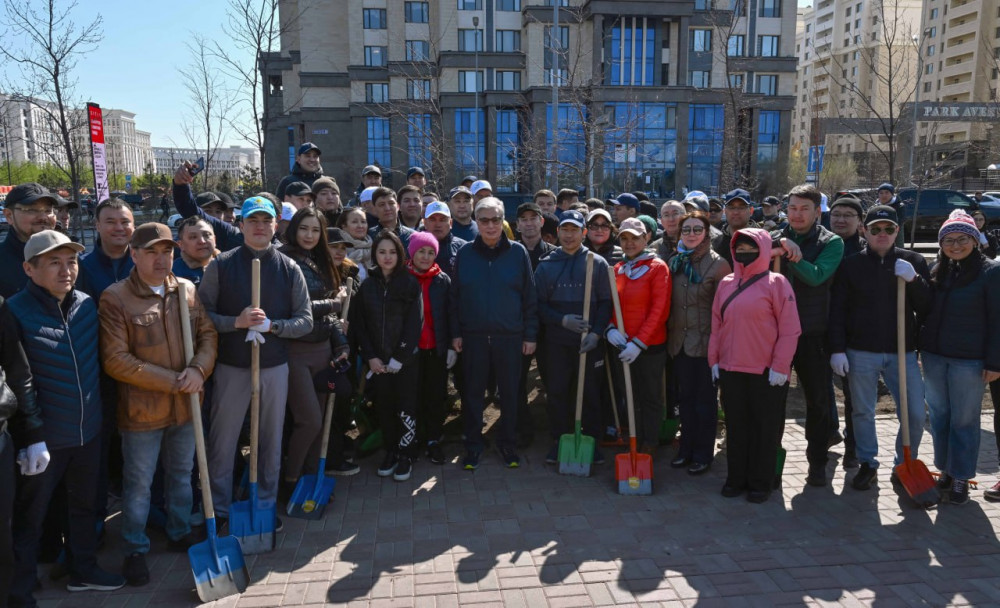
<point>916,93</point>
<point>475,114</point>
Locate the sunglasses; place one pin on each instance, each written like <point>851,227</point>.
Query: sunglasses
<point>599,226</point>
<point>876,230</point>
<point>489,220</point>
<point>694,229</point>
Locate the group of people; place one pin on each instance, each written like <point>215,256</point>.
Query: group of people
<point>401,293</point>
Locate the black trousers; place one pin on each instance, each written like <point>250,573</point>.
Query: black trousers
<point>395,397</point>
<point>754,411</point>
<point>500,353</point>
<point>6,511</point>
<point>563,365</point>
<point>848,410</point>
<point>647,393</point>
<point>699,406</point>
<point>433,392</point>
<point>812,364</point>
<point>76,468</point>
<point>995,395</point>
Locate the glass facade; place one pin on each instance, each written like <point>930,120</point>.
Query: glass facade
<point>470,142</point>
<point>572,142</point>
<point>418,140</point>
<point>633,52</point>
<point>640,147</point>
<point>379,147</point>
<point>508,143</point>
<point>768,131</point>
<point>706,132</point>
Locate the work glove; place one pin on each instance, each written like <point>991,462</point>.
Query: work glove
<point>589,342</point>
<point>616,338</point>
<point>905,270</point>
<point>575,323</point>
<point>36,459</point>
<point>394,366</point>
<point>450,359</point>
<point>715,373</point>
<point>630,354</point>
<point>777,379</point>
<point>255,336</point>
<point>838,361</point>
<point>262,327</point>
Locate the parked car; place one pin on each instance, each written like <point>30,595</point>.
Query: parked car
<point>934,208</point>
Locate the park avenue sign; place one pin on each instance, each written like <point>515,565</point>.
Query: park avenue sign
<point>965,111</point>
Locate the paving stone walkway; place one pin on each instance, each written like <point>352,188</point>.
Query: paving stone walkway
<point>531,537</point>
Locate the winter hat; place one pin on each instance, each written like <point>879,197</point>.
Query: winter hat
<point>959,221</point>
<point>649,222</point>
<point>422,239</point>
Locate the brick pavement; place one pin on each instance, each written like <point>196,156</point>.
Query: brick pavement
<point>532,537</point>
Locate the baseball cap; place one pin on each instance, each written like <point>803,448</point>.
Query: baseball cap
<point>414,171</point>
<point>149,234</point>
<point>480,185</point>
<point>437,207</point>
<point>528,207</point>
<point>628,199</point>
<point>366,194</point>
<point>633,225</point>
<point>256,204</point>
<point>335,236</point>
<point>715,203</point>
<point>573,217</point>
<point>470,178</point>
<point>459,190</point>
<point>207,198</point>
<point>309,146</point>
<point>739,195</point>
<point>848,200</point>
<point>887,186</point>
<point>46,241</point>
<point>881,213</point>
<point>599,213</point>
<point>226,200</point>
<point>26,194</point>
<point>770,201</point>
<point>287,211</point>
<point>370,169</point>
<point>298,189</point>
<point>696,199</point>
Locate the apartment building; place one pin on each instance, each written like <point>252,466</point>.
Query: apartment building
<point>229,160</point>
<point>651,94</point>
<point>128,149</point>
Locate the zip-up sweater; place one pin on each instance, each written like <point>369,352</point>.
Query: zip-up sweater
<point>560,281</point>
<point>98,271</point>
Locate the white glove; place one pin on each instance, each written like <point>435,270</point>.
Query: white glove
<point>254,336</point>
<point>38,459</point>
<point>715,372</point>
<point>905,270</point>
<point>450,359</point>
<point>575,323</point>
<point>263,327</point>
<point>589,342</point>
<point>630,354</point>
<point>393,366</point>
<point>777,379</point>
<point>838,361</point>
<point>616,338</point>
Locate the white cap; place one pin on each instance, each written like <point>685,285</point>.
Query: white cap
<point>287,211</point>
<point>632,225</point>
<point>366,194</point>
<point>480,185</point>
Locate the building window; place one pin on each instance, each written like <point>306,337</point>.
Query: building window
<point>770,8</point>
<point>508,41</point>
<point>767,46</point>
<point>470,40</point>
<point>470,5</point>
<point>470,81</point>
<point>509,5</point>
<point>376,92</point>
<point>508,80</point>
<point>417,12</point>
<point>993,76</point>
<point>379,148</point>
<point>374,18</point>
<point>418,140</point>
<point>736,46</point>
<point>768,131</point>
<point>633,53</point>
<point>702,5</point>
<point>418,50</point>
<point>767,84</point>
<point>507,146</point>
<point>376,56</point>
<point>931,50</point>
<point>701,79</point>
<point>933,32</point>
<point>559,46</point>
<point>470,141</point>
<point>706,133</point>
<point>572,143</point>
<point>418,89</point>
<point>929,69</point>
<point>701,40</point>
<point>736,81</point>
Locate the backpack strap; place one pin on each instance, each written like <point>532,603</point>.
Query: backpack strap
<point>740,289</point>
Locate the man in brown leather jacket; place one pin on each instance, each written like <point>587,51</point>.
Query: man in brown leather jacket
<point>142,348</point>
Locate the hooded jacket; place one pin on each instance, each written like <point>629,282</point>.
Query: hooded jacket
<point>560,280</point>
<point>389,316</point>
<point>643,286</point>
<point>760,329</point>
<point>298,174</point>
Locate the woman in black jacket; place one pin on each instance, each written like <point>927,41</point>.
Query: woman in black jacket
<point>386,322</point>
<point>960,350</point>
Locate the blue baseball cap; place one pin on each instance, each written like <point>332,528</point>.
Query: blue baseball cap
<point>257,204</point>
<point>628,199</point>
<point>437,207</point>
<point>739,195</point>
<point>573,217</point>
<point>309,146</point>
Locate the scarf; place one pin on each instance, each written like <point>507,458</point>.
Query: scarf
<point>427,339</point>
<point>361,251</point>
<point>681,263</point>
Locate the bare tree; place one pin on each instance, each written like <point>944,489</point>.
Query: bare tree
<point>209,102</point>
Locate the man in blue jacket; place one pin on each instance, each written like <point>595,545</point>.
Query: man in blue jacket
<point>111,259</point>
<point>493,297</point>
<point>30,208</point>
<point>58,328</point>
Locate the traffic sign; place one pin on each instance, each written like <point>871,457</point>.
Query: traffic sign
<point>815,164</point>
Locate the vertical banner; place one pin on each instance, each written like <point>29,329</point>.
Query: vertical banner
<point>96,120</point>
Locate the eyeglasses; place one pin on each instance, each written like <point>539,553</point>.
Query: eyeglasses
<point>960,241</point>
<point>737,207</point>
<point>489,220</point>
<point>876,230</point>
<point>843,216</point>
<point>694,229</point>
<point>36,211</point>
<point>599,226</point>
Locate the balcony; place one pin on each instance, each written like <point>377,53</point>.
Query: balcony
<point>960,90</point>
<point>962,9</point>
<point>970,27</point>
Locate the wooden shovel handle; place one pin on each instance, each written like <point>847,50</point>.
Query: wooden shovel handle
<point>628,373</point>
<point>582,369</point>
<point>254,377</point>
<point>199,431</point>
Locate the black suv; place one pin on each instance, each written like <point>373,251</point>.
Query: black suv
<point>934,208</point>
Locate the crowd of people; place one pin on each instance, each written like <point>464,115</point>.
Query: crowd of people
<point>716,310</point>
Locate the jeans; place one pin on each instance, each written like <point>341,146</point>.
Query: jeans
<point>696,397</point>
<point>954,401</point>
<point>175,446</point>
<point>865,368</point>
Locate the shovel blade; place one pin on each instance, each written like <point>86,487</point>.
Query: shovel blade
<point>310,502</point>
<point>634,474</point>
<point>918,482</point>
<point>220,573</point>
<point>576,454</point>
<point>253,525</point>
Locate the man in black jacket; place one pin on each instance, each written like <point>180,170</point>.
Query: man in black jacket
<point>863,325</point>
<point>30,208</point>
<point>306,169</point>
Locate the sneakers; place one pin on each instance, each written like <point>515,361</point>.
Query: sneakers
<point>944,482</point>
<point>99,580</point>
<point>135,571</point>
<point>388,466</point>
<point>553,456</point>
<point>403,469</point>
<point>510,458</point>
<point>959,494</point>
<point>816,476</point>
<point>850,460</point>
<point>343,468</point>
<point>993,494</point>
<point>471,461</point>
<point>435,453</point>
<point>866,477</point>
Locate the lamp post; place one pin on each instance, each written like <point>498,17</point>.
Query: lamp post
<point>475,114</point>
<point>916,94</point>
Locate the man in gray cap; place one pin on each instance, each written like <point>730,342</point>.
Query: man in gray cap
<point>30,208</point>
<point>306,169</point>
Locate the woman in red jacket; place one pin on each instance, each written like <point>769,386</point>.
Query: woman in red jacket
<point>755,329</point>
<point>643,282</point>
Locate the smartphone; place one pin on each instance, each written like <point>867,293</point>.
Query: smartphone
<point>199,166</point>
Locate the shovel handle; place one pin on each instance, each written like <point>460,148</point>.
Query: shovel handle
<point>611,390</point>
<point>254,377</point>
<point>628,372</point>
<point>199,431</point>
<point>349,284</point>
<point>581,372</point>
<point>327,423</point>
<point>904,414</point>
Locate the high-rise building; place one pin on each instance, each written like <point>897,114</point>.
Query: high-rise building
<point>653,95</point>
<point>229,160</point>
<point>128,149</point>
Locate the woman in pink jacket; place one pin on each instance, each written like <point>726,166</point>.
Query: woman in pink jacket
<point>755,329</point>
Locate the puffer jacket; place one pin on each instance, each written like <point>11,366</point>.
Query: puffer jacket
<point>18,406</point>
<point>388,316</point>
<point>560,281</point>
<point>142,347</point>
<point>438,327</point>
<point>322,300</point>
<point>690,321</point>
<point>760,329</point>
<point>644,293</point>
